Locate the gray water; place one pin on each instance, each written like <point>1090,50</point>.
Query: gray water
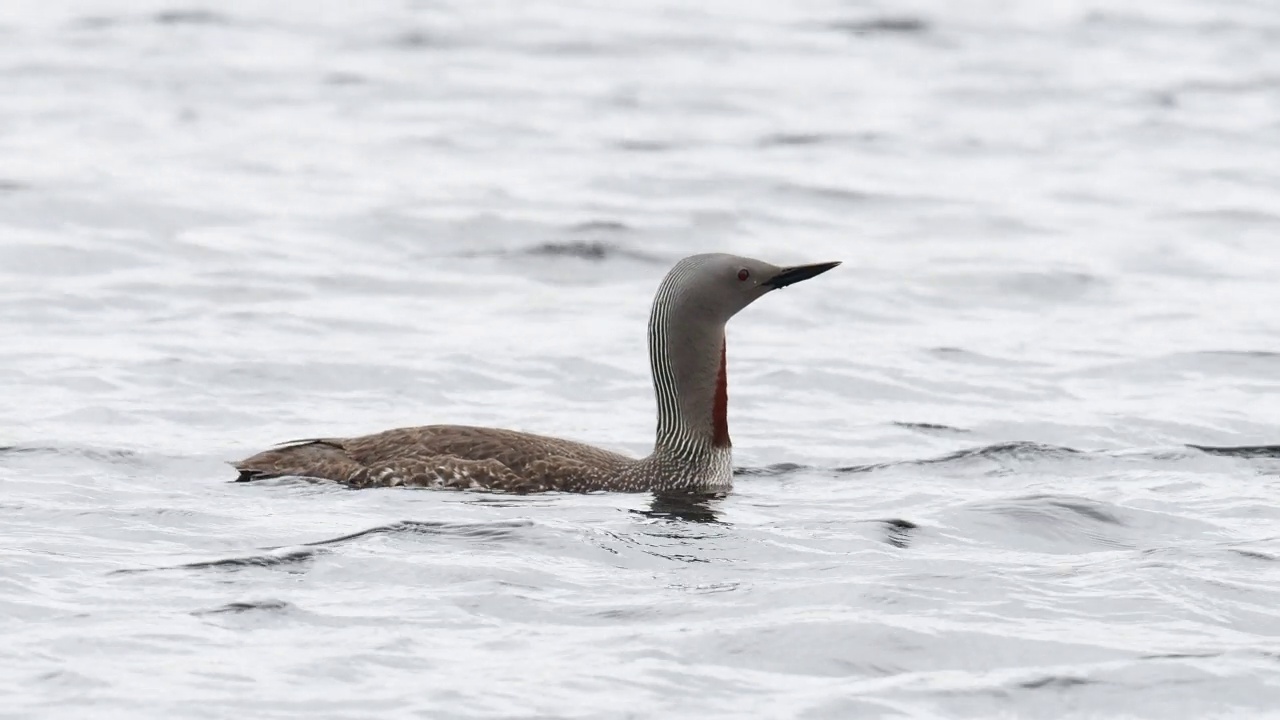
<point>965,485</point>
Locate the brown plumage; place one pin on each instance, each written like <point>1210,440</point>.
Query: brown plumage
<point>692,450</point>
<point>445,456</point>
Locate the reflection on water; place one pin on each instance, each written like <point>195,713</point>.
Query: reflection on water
<point>686,507</point>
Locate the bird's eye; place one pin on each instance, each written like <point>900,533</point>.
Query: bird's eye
<point>743,274</point>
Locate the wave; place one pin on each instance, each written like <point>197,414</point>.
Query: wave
<point>1018,451</point>
<point>1013,453</point>
<point>237,608</point>
<point>1241,451</point>
<point>296,554</point>
<point>109,455</point>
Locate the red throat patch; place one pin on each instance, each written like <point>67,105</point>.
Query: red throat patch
<point>720,410</point>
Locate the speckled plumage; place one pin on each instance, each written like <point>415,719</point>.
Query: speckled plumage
<point>448,456</point>
<point>692,451</point>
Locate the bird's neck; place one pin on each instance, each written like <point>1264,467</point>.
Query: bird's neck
<point>691,384</point>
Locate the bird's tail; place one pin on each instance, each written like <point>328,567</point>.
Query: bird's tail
<point>321,459</point>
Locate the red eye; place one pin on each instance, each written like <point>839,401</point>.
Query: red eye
<point>743,274</point>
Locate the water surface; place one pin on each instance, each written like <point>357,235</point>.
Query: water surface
<point>965,490</point>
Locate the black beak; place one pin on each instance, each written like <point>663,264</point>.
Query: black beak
<point>792,275</point>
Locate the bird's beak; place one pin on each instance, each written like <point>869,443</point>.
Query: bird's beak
<point>792,275</point>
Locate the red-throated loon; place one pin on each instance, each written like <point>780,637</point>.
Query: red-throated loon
<point>692,449</point>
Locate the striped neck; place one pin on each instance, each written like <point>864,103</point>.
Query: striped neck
<point>687,358</point>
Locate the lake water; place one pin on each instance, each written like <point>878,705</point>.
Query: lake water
<point>965,486</point>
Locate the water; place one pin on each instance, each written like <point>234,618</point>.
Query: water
<point>965,486</point>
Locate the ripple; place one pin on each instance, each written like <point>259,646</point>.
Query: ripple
<point>282,558</point>
<point>237,608</point>
<point>931,428</point>
<point>1004,455</point>
<point>499,530</point>
<point>883,26</point>
<point>1243,451</point>
<point>191,16</point>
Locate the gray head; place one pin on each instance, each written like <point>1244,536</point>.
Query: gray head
<point>713,288</point>
<point>687,344</point>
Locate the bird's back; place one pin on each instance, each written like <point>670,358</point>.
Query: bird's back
<point>455,456</point>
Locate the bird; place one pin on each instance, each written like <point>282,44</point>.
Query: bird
<point>692,449</point>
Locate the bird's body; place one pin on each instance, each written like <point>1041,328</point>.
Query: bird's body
<point>462,457</point>
<point>692,452</point>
